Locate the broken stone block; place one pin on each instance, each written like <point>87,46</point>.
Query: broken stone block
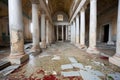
<point>4,64</point>
<point>70,74</point>
<point>8,70</point>
<point>88,76</point>
<point>66,66</point>
<point>97,73</point>
<point>77,65</point>
<point>72,60</point>
<point>56,57</point>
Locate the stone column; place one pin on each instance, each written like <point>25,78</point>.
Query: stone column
<point>110,42</point>
<point>77,31</point>
<point>82,29</point>
<point>43,36</point>
<point>116,58</point>
<point>62,33</point>
<point>17,54</point>
<point>57,33</point>
<point>71,32</point>
<point>66,32</point>
<point>74,33</point>
<point>93,25</point>
<point>35,28</point>
<point>47,32</point>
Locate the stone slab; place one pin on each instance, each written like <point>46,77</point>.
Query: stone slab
<point>115,60</point>
<point>72,60</point>
<point>115,76</point>
<point>88,76</point>
<point>66,66</point>
<point>4,64</point>
<point>77,65</point>
<point>70,74</point>
<point>95,72</point>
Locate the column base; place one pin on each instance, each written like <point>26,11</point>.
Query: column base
<point>83,47</point>
<point>18,59</point>
<point>35,49</point>
<point>110,43</point>
<point>92,50</point>
<point>115,60</point>
<point>43,45</point>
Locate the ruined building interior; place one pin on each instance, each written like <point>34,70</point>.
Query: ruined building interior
<point>59,39</point>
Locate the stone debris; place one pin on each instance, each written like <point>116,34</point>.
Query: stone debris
<point>70,73</point>
<point>88,67</point>
<point>97,63</point>
<point>95,72</point>
<point>78,65</point>
<point>114,76</point>
<point>88,76</point>
<point>54,73</point>
<point>72,60</point>
<point>66,66</point>
<point>56,57</point>
<point>8,70</point>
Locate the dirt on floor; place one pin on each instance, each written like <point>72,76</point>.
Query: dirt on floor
<point>44,67</point>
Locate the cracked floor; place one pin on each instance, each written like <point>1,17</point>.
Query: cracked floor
<point>42,67</point>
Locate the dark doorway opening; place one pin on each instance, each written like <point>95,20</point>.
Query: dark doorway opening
<point>106,33</point>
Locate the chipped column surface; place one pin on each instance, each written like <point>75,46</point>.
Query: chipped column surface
<point>35,26</point>
<point>16,32</point>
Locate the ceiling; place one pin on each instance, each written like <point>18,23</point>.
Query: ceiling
<point>60,5</point>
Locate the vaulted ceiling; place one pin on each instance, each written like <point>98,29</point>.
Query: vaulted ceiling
<point>60,5</point>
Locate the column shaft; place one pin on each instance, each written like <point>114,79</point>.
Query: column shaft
<point>35,28</point>
<point>110,42</point>
<point>43,36</point>
<point>57,34</point>
<point>116,58</point>
<point>16,32</point>
<point>77,31</point>
<point>93,26</point>
<point>47,32</point>
<point>66,32</point>
<point>74,33</point>
<point>62,33</point>
<point>82,29</point>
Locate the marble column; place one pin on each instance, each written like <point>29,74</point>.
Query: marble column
<point>77,31</point>
<point>47,32</point>
<point>66,32</point>
<point>71,26</point>
<point>93,25</point>
<point>57,33</point>
<point>62,33</point>
<point>82,29</point>
<point>43,36</point>
<point>17,54</point>
<point>74,32</point>
<point>116,58</point>
<point>110,42</point>
<point>35,28</point>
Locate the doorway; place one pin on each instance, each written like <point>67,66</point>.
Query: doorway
<point>106,33</point>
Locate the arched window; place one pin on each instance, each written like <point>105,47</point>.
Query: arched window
<point>59,17</point>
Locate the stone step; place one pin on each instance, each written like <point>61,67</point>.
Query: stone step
<point>4,64</point>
